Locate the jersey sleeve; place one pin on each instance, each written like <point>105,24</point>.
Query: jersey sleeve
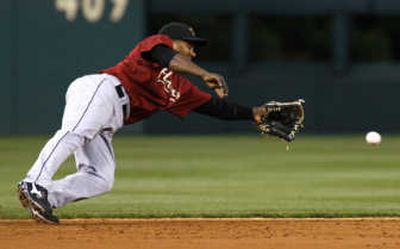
<point>160,54</point>
<point>151,42</point>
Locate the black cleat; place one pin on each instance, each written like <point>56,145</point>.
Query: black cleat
<point>34,197</point>
<point>44,217</point>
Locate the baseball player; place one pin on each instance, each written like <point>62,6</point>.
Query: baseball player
<point>148,80</point>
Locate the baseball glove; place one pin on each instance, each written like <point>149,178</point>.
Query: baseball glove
<point>283,119</point>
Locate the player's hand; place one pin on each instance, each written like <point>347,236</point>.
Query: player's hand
<point>258,113</point>
<point>218,83</point>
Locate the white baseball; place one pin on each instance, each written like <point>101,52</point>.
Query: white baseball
<point>373,138</point>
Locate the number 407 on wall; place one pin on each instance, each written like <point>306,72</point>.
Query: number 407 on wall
<point>92,10</point>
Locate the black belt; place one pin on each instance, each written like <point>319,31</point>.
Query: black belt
<point>121,94</point>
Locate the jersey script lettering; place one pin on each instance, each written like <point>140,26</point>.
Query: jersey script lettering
<point>164,77</point>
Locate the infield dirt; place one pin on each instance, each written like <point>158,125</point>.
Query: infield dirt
<point>203,233</point>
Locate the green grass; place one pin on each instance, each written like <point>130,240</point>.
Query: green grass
<point>231,176</point>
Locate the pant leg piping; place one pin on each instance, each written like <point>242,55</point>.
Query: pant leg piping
<point>87,107</point>
<point>52,151</point>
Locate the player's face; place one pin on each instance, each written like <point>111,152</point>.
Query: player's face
<point>185,48</point>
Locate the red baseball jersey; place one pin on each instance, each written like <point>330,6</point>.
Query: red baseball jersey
<point>151,87</point>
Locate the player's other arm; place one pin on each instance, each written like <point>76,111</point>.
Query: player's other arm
<point>183,64</point>
<point>222,109</point>
<point>217,108</point>
<point>177,62</point>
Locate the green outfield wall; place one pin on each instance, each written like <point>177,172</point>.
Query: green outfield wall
<point>45,44</point>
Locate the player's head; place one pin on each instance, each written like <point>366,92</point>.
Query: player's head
<point>184,37</point>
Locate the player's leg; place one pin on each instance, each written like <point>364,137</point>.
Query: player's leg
<point>88,110</point>
<point>92,104</point>
<point>34,196</point>
<point>94,176</point>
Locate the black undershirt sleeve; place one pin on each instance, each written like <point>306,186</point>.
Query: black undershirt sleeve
<point>219,108</point>
<point>161,54</point>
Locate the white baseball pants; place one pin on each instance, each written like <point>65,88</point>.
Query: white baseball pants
<point>92,114</point>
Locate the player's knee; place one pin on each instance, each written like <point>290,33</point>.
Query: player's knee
<point>103,182</point>
<point>107,183</point>
<point>102,185</point>
<point>105,186</point>
<point>109,186</point>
